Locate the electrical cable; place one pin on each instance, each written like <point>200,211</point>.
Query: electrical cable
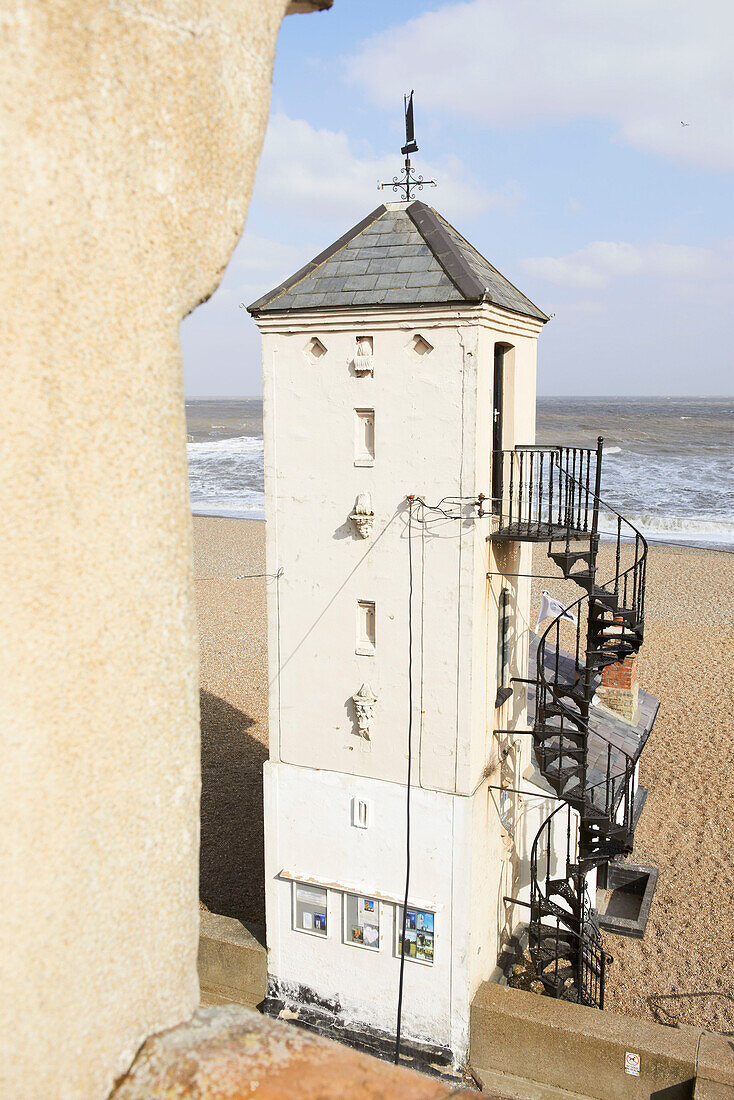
<point>253,576</point>
<point>407,794</point>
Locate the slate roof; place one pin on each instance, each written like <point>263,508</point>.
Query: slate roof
<point>401,254</point>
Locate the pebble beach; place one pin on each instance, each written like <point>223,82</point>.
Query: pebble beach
<point>682,971</point>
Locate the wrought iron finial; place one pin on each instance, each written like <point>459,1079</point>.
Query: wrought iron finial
<point>408,182</point>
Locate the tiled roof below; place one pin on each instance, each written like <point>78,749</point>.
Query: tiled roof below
<point>611,739</point>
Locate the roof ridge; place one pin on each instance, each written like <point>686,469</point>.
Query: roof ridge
<point>317,261</point>
<point>484,259</point>
<point>426,221</point>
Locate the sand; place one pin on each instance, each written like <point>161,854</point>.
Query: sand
<point>682,970</point>
<point>234,716</point>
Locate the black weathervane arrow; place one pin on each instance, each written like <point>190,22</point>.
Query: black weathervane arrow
<point>408,183</point>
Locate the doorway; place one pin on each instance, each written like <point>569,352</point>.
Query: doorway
<point>498,394</point>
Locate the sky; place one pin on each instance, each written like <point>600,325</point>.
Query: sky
<point>554,130</point>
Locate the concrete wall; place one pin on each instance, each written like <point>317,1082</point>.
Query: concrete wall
<point>526,1045</point>
<point>232,964</point>
<point>129,141</point>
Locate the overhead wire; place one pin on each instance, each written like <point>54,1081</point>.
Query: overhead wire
<point>407,795</point>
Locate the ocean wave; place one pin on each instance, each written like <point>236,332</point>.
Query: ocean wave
<point>250,444</point>
<point>226,477</point>
<point>699,529</point>
<point>228,510</point>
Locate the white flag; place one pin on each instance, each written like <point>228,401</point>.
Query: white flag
<point>552,609</point>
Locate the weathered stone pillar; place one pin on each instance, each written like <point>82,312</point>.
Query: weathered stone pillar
<point>130,135</point>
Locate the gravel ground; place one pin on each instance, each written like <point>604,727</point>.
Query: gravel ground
<point>682,970</point>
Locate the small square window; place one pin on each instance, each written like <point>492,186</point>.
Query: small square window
<point>360,813</point>
<point>364,437</point>
<point>362,922</point>
<point>314,350</point>
<point>419,934</point>
<point>419,347</point>
<point>365,628</point>
<point>310,912</point>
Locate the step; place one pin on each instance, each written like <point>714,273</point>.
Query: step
<point>607,599</point>
<point>558,710</point>
<point>554,760</point>
<point>572,737</point>
<point>505,1086</point>
<point>578,695</point>
<point>566,559</point>
<point>548,908</point>
<point>544,956</point>
<point>563,888</point>
<point>585,579</point>
<point>612,632</point>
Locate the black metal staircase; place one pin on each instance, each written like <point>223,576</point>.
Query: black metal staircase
<point>553,495</point>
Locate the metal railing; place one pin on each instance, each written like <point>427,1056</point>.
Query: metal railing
<point>547,490</point>
<point>609,624</point>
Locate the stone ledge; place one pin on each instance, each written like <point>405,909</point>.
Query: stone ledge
<point>232,964</point>
<point>565,1046</point>
<point>233,1053</point>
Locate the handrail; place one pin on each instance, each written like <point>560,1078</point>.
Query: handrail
<point>628,586</point>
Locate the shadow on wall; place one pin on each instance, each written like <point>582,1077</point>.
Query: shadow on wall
<point>231,862</point>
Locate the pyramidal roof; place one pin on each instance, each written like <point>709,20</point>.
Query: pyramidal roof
<point>400,254</point>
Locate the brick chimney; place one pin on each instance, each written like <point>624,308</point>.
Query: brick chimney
<point>619,688</point>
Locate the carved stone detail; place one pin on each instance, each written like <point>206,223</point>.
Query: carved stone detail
<point>364,706</point>
<point>364,362</point>
<point>363,517</point>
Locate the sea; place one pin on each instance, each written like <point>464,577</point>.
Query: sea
<point>668,461</point>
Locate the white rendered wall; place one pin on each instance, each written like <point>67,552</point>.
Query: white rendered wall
<point>310,836</point>
<point>311,485</point>
<point>433,417</point>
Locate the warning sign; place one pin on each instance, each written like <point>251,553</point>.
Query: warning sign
<point>632,1064</point>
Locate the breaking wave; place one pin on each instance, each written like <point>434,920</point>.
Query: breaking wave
<point>226,477</point>
<point>699,530</point>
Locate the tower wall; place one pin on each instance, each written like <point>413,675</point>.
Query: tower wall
<point>432,405</point>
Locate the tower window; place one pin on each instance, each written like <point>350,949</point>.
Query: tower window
<point>504,691</point>
<point>314,350</point>
<point>365,628</point>
<point>364,441</point>
<point>419,346</point>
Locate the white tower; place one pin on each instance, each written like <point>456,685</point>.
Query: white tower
<point>394,364</point>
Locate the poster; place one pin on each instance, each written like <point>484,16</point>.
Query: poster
<point>362,921</point>
<point>419,932</point>
<point>310,909</point>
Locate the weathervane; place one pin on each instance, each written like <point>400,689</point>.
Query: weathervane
<point>410,182</point>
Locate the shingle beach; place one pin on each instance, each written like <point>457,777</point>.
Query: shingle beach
<point>682,970</point>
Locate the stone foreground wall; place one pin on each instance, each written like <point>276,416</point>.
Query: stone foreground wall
<point>129,139</point>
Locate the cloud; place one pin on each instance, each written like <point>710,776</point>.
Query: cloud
<point>644,66</point>
<point>319,173</point>
<point>600,263</point>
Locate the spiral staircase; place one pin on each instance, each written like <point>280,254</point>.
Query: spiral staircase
<point>552,495</point>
